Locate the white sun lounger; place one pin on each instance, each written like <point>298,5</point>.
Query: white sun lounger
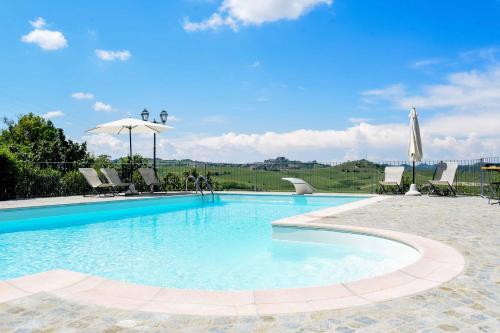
<point>149,176</point>
<point>393,176</point>
<point>444,177</point>
<point>94,181</point>
<point>114,179</point>
<point>301,186</point>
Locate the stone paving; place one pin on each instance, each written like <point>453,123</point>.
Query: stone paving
<point>469,303</point>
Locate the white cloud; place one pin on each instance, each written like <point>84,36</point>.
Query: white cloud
<point>355,120</point>
<point>427,62</point>
<point>172,118</point>
<point>258,12</point>
<point>304,144</point>
<point>471,90</point>
<point>255,64</point>
<point>215,21</point>
<point>462,91</point>
<point>108,55</point>
<point>389,93</point>
<point>82,95</point>
<point>100,106</point>
<point>47,39</point>
<point>468,124</point>
<point>462,124</point>
<point>233,13</point>
<point>53,114</point>
<point>38,23</point>
<point>443,136</point>
<point>488,54</point>
<point>106,144</point>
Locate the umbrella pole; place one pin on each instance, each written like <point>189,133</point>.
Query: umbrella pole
<point>130,152</point>
<point>413,182</point>
<point>154,152</point>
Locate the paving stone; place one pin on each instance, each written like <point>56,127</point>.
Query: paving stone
<point>366,320</point>
<point>448,328</point>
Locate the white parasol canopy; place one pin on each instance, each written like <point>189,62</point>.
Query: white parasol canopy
<point>129,126</point>
<point>415,153</point>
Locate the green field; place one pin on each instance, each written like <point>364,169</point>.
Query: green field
<point>350,177</point>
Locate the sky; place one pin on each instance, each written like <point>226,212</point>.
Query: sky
<point>247,80</point>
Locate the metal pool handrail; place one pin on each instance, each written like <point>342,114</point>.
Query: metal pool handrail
<point>207,183</point>
<point>195,183</point>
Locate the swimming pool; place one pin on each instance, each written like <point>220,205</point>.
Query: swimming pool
<point>193,243</point>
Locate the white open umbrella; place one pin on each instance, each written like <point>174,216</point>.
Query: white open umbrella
<point>130,126</point>
<point>415,152</point>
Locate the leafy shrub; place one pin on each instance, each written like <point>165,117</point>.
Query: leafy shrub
<point>37,182</point>
<point>73,183</point>
<point>138,181</point>
<point>213,182</point>
<point>9,174</point>
<point>173,182</point>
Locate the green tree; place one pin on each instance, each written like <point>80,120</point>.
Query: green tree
<point>31,150</point>
<point>33,138</point>
<point>102,161</point>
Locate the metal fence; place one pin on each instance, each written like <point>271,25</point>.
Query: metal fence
<point>63,178</point>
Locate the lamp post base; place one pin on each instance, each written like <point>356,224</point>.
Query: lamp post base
<point>413,191</point>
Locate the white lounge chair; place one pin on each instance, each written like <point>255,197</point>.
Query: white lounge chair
<point>114,179</point>
<point>149,176</point>
<point>94,181</point>
<point>393,177</point>
<point>301,186</point>
<point>444,176</point>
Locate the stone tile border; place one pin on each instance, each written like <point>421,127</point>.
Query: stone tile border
<point>80,199</point>
<point>438,263</point>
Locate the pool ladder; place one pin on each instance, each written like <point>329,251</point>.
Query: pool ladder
<point>198,186</point>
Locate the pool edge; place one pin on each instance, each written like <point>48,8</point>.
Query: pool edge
<point>437,264</point>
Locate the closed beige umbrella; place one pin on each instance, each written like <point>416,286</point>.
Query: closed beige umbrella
<point>415,153</point>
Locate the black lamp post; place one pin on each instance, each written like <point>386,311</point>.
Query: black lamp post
<point>163,118</point>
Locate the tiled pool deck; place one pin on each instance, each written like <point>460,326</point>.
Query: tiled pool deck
<point>469,303</point>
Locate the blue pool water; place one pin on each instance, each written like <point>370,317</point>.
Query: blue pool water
<point>187,242</point>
